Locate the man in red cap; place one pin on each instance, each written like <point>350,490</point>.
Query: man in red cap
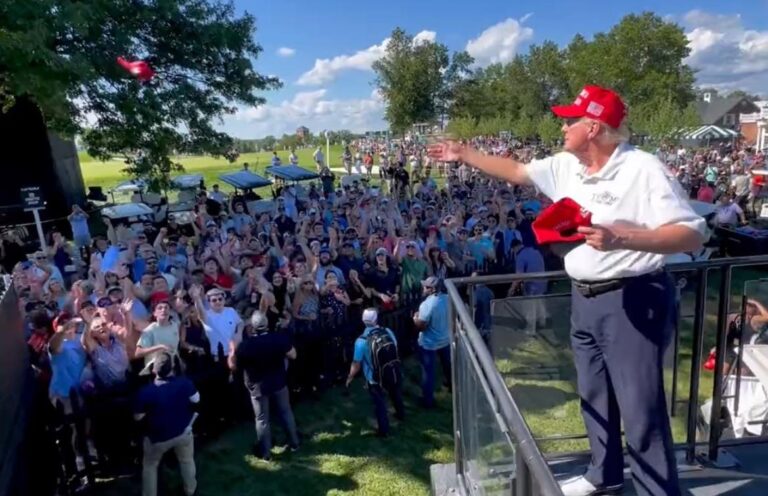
<point>623,302</point>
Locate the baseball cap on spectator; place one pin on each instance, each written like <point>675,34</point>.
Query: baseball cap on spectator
<point>113,289</point>
<point>210,223</point>
<point>597,103</point>
<point>431,282</point>
<point>416,205</point>
<point>558,222</point>
<point>382,251</point>
<point>312,211</point>
<point>214,292</point>
<point>104,302</point>
<point>325,249</point>
<point>370,316</point>
<point>86,304</point>
<point>61,319</point>
<point>410,244</point>
<point>158,297</point>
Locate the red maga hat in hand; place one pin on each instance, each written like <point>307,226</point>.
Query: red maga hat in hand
<point>558,222</point>
<point>140,69</point>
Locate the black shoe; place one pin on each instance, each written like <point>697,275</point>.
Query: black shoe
<point>258,453</point>
<point>400,417</point>
<point>382,435</point>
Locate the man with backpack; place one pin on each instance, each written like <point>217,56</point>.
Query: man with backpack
<point>376,353</point>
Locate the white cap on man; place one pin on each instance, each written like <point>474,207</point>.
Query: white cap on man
<point>370,316</point>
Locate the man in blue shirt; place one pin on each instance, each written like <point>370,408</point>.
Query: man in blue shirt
<point>78,220</point>
<point>363,358</point>
<point>434,338</point>
<point>528,260</point>
<point>166,407</point>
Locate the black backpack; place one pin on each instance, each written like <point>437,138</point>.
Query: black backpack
<point>386,362</point>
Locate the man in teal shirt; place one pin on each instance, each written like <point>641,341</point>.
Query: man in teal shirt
<point>363,358</point>
<point>434,338</point>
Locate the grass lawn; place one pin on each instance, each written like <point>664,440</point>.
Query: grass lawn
<point>109,174</point>
<point>339,454</point>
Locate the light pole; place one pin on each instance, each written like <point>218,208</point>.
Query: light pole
<point>328,149</point>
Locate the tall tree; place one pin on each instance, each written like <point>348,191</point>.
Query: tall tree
<point>62,55</point>
<point>410,76</point>
<point>549,129</point>
<point>641,57</point>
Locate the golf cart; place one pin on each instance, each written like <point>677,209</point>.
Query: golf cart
<point>245,182</point>
<point>293,174</point>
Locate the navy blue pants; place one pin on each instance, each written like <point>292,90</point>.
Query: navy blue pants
<point>378,395</point>
<point>618,340</point>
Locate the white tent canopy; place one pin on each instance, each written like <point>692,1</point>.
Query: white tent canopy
<point>707,133</point>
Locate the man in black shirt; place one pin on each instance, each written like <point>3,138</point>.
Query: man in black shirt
<point>284,223</point>
<point>261,355</point>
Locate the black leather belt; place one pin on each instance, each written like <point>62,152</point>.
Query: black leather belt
<point>590,289</point>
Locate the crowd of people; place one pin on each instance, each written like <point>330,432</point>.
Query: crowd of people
<point>180,325</point>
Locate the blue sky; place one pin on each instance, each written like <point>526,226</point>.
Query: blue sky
<point>322,51</point>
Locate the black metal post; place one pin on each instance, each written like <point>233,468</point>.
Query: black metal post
<point>737,393</point>
<point>717,388</point>
<point>675,355</point>
<point>696,351</point>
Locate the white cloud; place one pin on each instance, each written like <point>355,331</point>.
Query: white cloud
<point>312,109</point>
<point>326,70</point>
<point>500,42</point>
<point>725,54</point>
<point>286,52</point>
<point>424,37</point>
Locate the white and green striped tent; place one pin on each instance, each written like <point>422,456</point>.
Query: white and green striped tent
<point>704,133</point>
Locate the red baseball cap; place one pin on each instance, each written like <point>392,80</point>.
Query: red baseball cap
<point>558,222</point>
<point>597,103</point>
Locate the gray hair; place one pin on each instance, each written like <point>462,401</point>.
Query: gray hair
<point>612,135</point>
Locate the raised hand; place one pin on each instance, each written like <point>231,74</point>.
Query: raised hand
<point>447,151</point>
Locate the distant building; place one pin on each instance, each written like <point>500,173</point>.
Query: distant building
<point>302,132</point>
<point>723,112</point>
<point>754,126</point>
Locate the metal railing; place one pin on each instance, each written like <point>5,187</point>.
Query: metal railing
<point>702,287</point>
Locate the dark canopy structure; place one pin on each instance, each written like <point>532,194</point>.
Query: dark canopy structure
<point>291,173</point>
<point>244,180</point>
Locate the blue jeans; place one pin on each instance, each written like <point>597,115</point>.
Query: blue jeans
<point>427,360</point>
<point>378,395</point>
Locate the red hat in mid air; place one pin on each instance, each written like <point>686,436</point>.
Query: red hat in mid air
<point>597,103</point>
<point>558,222</point>
<point>140,69</point>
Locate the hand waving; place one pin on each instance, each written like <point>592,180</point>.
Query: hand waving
<point>447,151</point>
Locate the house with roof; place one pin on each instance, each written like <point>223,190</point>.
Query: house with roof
<point>723,112</point>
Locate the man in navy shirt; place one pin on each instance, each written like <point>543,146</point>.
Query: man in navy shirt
<point>166,407</point>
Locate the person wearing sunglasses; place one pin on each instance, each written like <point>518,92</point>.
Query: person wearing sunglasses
<point>221,323</point>
<point>639,217</point>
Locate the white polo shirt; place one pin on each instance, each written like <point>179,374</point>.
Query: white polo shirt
<point>632,188</point>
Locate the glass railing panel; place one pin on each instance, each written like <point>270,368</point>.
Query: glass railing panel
<point>488,453</point>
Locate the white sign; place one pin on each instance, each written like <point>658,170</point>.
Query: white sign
<point>764,211</point>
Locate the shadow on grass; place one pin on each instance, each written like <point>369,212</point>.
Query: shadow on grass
<point>339,452</point>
